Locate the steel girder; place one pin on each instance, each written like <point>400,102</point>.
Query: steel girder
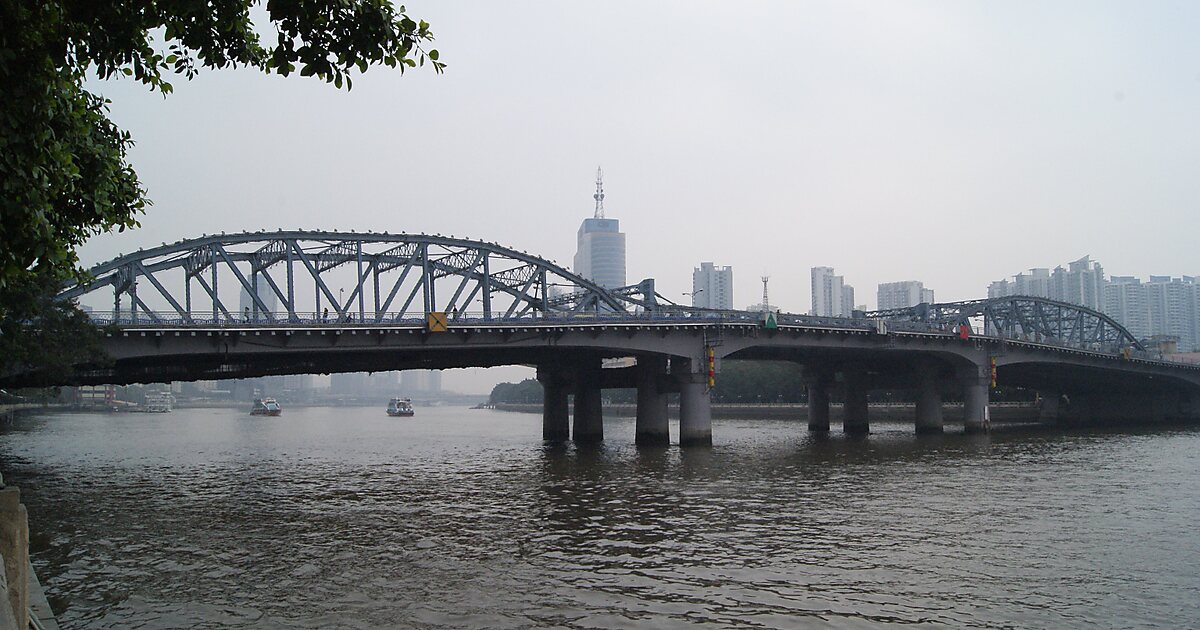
<point>357,276</point>
<point>1024,317</point>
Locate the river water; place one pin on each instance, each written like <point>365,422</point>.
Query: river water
<point>457,518</point>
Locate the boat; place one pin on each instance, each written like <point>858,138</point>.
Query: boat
<point>400,407</point>
<point>159,402</point>
<point>265,407</point>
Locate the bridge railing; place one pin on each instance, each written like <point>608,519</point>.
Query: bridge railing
<point>266,320</point>
<point>260,319</point>
<point>303,319</point>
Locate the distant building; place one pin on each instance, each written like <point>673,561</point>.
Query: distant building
<point>1162,307</point>
<point>421,381</point>
<point>246,304</point>
<point>600,245</point>
<point>760,308</point>
<point>831,296</point>
<point>903,294</point>
<point>712,287</point>
<point>1082,283</point>
<point>1036,283</point>
<point>298,382</point>
<point>385,382</point>
<point>349,384</point>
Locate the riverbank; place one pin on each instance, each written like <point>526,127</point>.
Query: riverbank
<point>953,412</point>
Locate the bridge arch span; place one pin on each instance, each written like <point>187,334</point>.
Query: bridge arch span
<point>345,276</point>
<point>1023,317</point>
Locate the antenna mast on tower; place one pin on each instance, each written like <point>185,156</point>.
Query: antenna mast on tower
<point>766,305</point>
<point>599,196</point>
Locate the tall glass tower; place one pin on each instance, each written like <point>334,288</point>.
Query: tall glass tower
<point>600,255</point>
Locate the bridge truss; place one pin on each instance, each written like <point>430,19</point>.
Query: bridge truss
<point>1024,317</point>
<point>345,277</point>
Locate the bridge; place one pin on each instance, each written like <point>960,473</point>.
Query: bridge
<point>409,301</point>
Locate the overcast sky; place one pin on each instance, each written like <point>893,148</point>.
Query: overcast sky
<point>950,142</point>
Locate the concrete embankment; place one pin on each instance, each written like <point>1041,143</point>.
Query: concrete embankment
<point>22,603</point>
<point>1000,412</point>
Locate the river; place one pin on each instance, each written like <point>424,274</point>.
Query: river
<point>457,518</point>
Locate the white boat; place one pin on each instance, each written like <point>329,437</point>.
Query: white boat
<point>401,407</point>
<point>159,402</point>
<point>265,407</point>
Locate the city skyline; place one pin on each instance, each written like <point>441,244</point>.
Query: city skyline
<point>978,132</point>
<point>500,179</point>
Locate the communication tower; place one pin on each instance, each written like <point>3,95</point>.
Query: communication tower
<point>599,196</point>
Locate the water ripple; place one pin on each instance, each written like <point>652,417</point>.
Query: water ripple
<point>343,518</point>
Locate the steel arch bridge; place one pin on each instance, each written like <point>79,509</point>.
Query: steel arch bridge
<point>346,277</point>
<point>1024,317</point>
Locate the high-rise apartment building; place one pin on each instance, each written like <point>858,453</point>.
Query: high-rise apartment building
<point>712,286</point>
<point>1035,283</point>
<point>1163,306</point>
<point>1082,282</point>
<point>831,296</point>
<point>600,250</point>
<point>903,294</point>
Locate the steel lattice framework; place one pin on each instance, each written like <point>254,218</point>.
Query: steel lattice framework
<point>380,277</point>
<point>1024,317</point>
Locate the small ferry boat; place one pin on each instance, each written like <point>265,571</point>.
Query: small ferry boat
<point>157,402</point>
<point>265,407</point>
<point>400,407</point>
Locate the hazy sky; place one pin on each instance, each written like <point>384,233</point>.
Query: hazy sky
<point>950,142</point>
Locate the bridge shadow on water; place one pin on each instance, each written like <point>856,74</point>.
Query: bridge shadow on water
<point>345,518</point>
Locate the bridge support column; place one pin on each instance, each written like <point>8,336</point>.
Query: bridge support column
<point>556,411</point>
<point>651,428</point>
<point>818,403</point>
<point>975,405</point>
<point>695,412</point>
<point>1048,412</point>
<point>589,421</point>
<point>854,410</point>
<point>929,402</point>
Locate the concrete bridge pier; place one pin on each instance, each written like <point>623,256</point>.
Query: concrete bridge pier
<point>651,428</point>
<point>975,404</point>
<point>818,402</point>
<point>556,410</point>
<point>929,402</point>
<point>695,412</point>
<point>854,410</point>
<point>589,421</point>
<point>1048,412</point>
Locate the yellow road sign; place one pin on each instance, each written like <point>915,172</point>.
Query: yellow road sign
<point>437,322</point>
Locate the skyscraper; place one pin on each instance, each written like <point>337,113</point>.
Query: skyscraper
<point>903,294</point>
<point>250,309</point>
<point>712,287</point>
<point>831,296</point>
<point>600,252</point>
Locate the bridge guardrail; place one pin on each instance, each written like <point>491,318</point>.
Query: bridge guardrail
<point>267,320</point>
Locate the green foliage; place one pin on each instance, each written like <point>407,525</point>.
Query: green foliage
<point>63,172</point>
<point>64,176</point>
<point>45,336</point>
<point>528,392</point>
<point>759,382</point>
